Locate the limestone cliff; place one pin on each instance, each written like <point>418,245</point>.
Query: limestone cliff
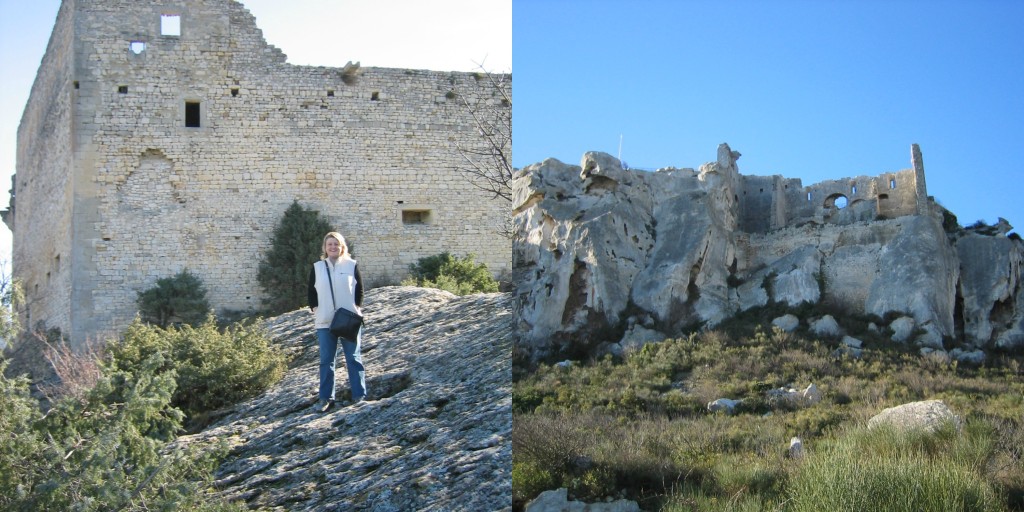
<point>434,434</point>
<point>603,252</point>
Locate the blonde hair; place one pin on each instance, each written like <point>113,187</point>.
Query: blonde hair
<point>341,240</point>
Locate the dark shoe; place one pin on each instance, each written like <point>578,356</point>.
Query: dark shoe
<point>324,405</point>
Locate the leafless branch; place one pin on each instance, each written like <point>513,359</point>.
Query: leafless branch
<point>487,163</point>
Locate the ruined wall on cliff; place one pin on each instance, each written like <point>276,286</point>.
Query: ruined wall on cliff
<point>604,252</point>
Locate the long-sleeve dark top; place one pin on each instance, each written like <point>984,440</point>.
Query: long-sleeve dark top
<point>311,290</point>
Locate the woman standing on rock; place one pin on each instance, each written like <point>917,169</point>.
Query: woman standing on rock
<point>337,268</point>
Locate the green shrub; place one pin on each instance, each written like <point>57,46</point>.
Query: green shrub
<point>296,244</point>
<point>461,276</point>
<point>103,452</point>
<point>213,368</point>
<point>529,479</point>
<point>178,300</point>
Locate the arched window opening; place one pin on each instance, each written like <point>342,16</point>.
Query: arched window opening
<point>836,200</point>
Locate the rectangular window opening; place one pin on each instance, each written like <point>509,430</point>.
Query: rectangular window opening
<point>192,114</point>
<point>234,91</point>
<point>892,183</point>
<point>853,190</point>
<point>330,93</point>
<point>808,196</point>
<point>375,96</point>
<point>414,217</point>
<point>75,84</point>
<point>122,89</point>
<point>170,24</point>
<point>137,47</point>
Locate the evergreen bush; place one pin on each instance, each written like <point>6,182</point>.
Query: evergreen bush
<point>103,452</point>
<point>212,368</point>
<point>174,300</point>
<point>296,244</point>
<point>461,276</point>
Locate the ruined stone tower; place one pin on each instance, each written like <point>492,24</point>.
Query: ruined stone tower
<point>165,135</point>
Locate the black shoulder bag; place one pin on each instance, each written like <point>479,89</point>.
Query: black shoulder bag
<point>345,323</point>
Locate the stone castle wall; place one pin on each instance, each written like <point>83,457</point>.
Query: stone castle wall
<point>768,203</point>
<point>145,196</point>
<point>43,184</point>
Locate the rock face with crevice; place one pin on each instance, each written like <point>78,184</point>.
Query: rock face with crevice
<point>601,249</point>
<point>434,434</point>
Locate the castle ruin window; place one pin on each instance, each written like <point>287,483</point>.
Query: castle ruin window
<point>416,217</point>
<point>122,89</point>
<point>375,96</point>
<point>234,91</point>
<point>137,47</point>
<point>170,25</point>
<point>808,196</point>
<point>853,190</point>
<point>837,201</point>
<point>192,114</point>
<point>892,183</point>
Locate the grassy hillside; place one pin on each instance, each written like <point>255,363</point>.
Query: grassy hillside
<point>639,428</point>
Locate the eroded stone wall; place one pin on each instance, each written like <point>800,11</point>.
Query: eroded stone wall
<point>768,203</point>
<point>140,196</point>
<point>43,186</point>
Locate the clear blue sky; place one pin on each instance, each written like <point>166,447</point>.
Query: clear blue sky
<point>808,89</point>
<point>446,35</point>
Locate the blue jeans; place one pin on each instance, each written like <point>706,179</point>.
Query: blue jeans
<point>353,363</point>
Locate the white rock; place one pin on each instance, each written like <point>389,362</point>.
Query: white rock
<point>811,395</point>
<point>928,415</point>
<point>638,336</point>
<point>852,342</point>
<point>724,405</point>
<point>796,448</point>
<point>558,501</point>
<point>975,357</point>
<point>787,323</point>
<point>902,328</point>
<point>826,326</point>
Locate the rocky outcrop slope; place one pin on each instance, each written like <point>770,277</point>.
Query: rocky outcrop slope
<point>605,255</point>
<point>434,434</point>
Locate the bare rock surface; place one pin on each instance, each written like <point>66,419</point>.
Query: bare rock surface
<point>434,434</point>
<point>598,244</point>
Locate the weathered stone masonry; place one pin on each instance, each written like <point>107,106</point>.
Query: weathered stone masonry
<point>142,153</point>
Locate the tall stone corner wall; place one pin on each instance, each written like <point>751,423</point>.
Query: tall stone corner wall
<point>41,199</point>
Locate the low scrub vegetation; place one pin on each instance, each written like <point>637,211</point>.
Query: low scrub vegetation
<point>461,276</point>
<point>212,368</point>
<point>102,443</point>
<point>637,427</point>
